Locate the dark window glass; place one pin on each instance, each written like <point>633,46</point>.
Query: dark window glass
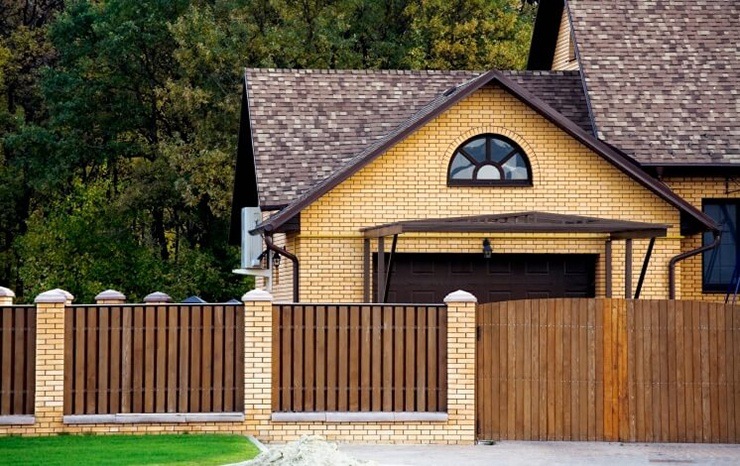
<point>719,264</point>
<point>489,159</point>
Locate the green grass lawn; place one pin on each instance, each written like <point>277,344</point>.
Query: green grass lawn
<point>192,449</point>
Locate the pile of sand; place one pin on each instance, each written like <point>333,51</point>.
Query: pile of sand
<point>310,450</point>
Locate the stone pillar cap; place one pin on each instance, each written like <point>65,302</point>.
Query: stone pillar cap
<point>460,296</point>
<point>257,295</point>
<point>6,292</point>
<point>110,294</point>
<point>70,297</point>
<point>157,297</point>
<point>51,296</point>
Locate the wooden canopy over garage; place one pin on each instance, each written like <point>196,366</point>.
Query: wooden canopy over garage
<point>524,222</point>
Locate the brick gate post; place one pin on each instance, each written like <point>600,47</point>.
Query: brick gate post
<point>257,362</point>
<point>49,404</point>
<point>461,336</point>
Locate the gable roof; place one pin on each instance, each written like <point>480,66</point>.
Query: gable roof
<point>306,124</point>
<point>663,76</point>
<point>698,221</point>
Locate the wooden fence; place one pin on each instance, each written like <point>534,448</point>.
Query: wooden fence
<point>609,369</point>
<point>359,358</point>
<point>17,359</point>
<point>154,359</point>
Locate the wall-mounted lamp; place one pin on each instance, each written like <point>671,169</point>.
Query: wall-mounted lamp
<point>487,250</point>
<point>276,260</point>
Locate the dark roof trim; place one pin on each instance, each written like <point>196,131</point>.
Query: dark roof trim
<point>523,222</point>
<point>245,192</point>
<point>545,35</point>
<point>441,104</point>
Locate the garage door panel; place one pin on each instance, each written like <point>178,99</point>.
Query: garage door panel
<point>429,277</point>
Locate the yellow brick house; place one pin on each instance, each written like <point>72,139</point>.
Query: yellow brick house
<point>579,177</point>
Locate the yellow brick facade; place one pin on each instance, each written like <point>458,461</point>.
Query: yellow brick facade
<point>695,190</point>
<point>563,58</point>
<point>410,182</point>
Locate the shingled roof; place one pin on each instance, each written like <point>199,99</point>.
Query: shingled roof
<point>306,124</point>
<point>663,77</point>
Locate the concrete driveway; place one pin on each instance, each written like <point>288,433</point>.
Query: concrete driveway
<point>546,453</point>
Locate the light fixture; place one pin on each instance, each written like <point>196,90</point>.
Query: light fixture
<point>276,260</point>
<point>487,251</point>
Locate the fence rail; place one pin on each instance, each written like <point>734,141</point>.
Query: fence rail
<point>359,358</point>
<point>154,359</point>
<point>609,369</point>
<point>17,359</point>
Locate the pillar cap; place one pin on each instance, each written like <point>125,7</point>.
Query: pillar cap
<point>157,297</point>
<point>460,296</point>
<point>257,295</point>
<point>110,294</point>
<point>6,292</point>
<point>70,297</point>
<point>51,296</point>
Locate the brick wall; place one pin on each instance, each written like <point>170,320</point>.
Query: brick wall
<point>410,182</point>
<point>561,58</point>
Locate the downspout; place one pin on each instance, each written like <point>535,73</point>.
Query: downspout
<point>271,246</point>
<point>685,255</point>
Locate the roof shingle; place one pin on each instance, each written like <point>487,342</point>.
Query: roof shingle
<point>663,76</point>
<point>306,124</point>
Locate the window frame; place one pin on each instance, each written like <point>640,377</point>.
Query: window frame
<point>517,149</point>
<point>708,288</point>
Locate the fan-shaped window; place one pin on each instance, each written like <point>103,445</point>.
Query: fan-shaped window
<point>489,159</point>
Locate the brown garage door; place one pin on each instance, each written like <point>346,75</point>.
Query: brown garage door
<point>428,278</point>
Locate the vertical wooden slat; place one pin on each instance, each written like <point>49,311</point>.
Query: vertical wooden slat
<point>376,371</point>
<point>137,360</point>
<point>297,357</point>
<point>104,358</point>
<point>173,350</point>
<point>730,376</point>
<point>79,376</point>
<point>309,379</point>
<point>321,358</point>
<point>714,374</point>
<point>91,358</point>
<point>698,341</point>
<point>398,359</point>
<point>6,361</point>
<point>623,370</point>
<point>353,396</point>
<point>127,324</point>
<point>567,361</point>
<point>233,384</point>
<point>583,369</point>
<point>332,368</point>
<point>183,395</point>
<point>217,359</point>
<point>680,377</point>
<point>688,330</point>
<point>410,366</point>
<point>442,358</point>
<point>206,366</point>
<point>31,358</point>
<point>196,342</point>
<point>343,360</point>
<point>238,379</point>
<point>551,319</point>
<point>18,363</point>
<point>387,391</point>
<point>365,358</point>
<point>160,394</point>
<point>544,398</point>
<point>535,370</point>
<point>636,347</point>
<point>526,393</point>
<point>704,365</point>
<point>116,352</point>
<point>150,366</point>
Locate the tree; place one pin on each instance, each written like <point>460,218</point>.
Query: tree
<point>469,34</point>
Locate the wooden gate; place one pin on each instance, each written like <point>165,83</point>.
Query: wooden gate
<point>608,369</point>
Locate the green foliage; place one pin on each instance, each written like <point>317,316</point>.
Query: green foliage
<point>118,121</point>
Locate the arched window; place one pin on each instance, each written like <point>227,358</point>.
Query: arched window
<point>489,160</point>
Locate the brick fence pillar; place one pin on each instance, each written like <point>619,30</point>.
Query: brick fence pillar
<point>257,362</point>
<point>6,296</point>
<point>461,363</point>
<point>49,404</point>
<point>110,297</point>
